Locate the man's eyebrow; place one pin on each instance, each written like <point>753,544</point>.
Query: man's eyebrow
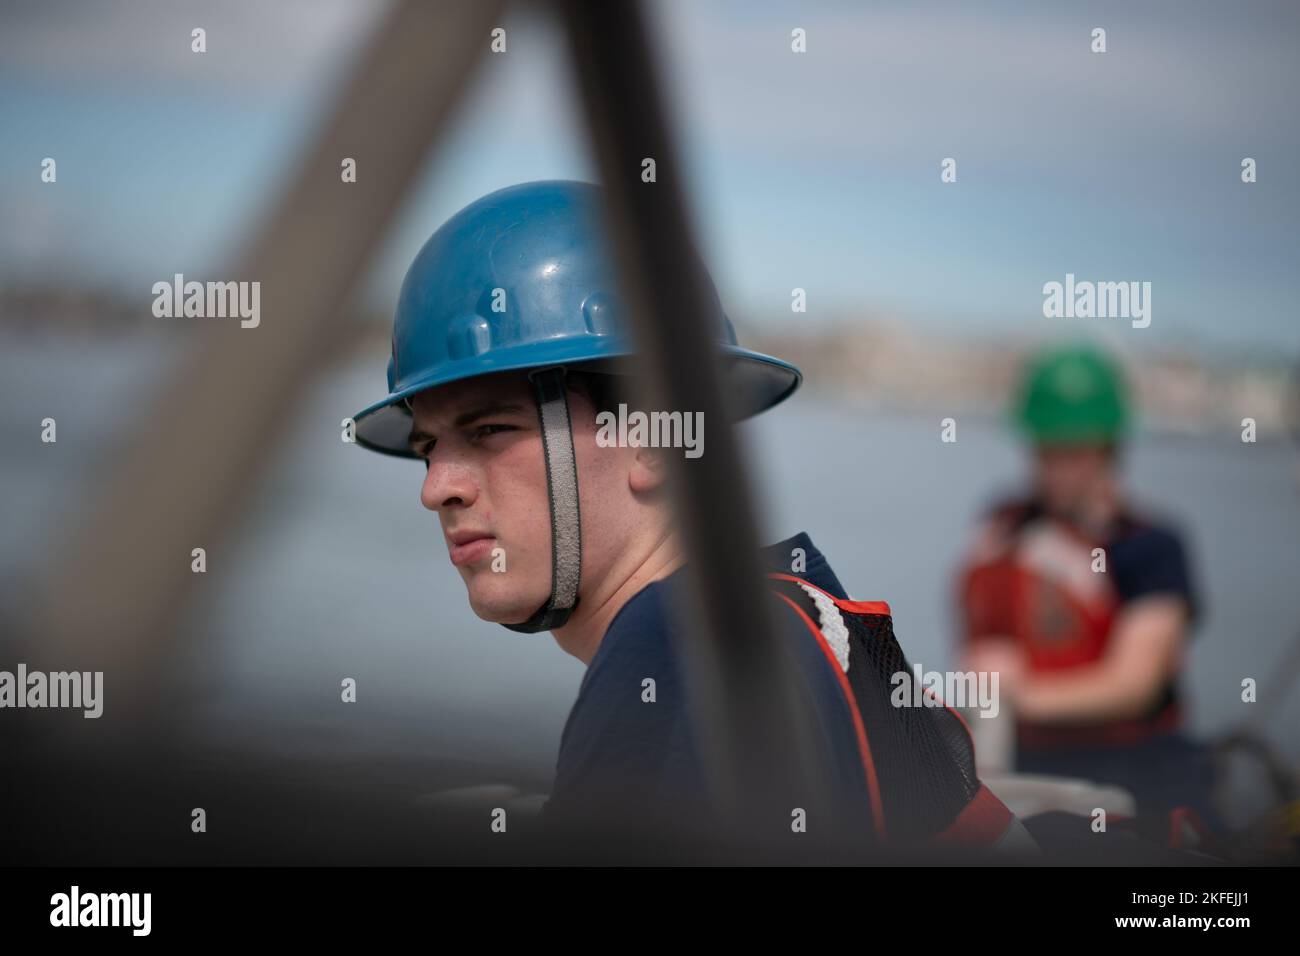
<point>468,418</point>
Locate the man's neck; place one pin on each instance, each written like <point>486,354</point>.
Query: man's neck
<point>582,633</point>
<point>1097,512</point>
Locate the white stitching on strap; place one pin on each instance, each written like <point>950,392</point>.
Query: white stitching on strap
<point>833,627</point>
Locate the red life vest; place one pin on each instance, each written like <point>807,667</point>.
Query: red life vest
<point>917,763</point>
<point>1031,578</point>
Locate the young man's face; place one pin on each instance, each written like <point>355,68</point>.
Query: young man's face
<point>487,482</point>
<point>1068,476</point>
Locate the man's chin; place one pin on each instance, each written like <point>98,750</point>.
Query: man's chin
<point>497,609</point>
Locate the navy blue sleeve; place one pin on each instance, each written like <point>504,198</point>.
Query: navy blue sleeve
<point>1150,561</point>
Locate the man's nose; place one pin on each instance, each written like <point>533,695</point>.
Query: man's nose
<point>448,483</point>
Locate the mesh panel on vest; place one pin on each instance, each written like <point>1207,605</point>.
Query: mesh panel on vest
<point>923,756</point>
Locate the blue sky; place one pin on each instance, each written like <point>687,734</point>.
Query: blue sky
<point>818,170</point>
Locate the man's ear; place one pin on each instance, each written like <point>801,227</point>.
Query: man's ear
<point>648,471</point>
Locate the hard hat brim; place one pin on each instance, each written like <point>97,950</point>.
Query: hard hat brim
<point>755,382</point>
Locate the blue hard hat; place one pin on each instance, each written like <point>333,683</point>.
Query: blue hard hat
<point>521,279</point>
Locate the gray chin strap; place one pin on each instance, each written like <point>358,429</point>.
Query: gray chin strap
<point>562,489</point>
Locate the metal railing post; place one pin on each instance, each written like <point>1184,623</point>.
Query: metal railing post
<point>756,729</point>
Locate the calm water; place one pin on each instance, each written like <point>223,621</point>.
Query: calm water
<point>339,572</point>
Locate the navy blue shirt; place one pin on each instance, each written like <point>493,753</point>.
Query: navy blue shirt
<point>626,759</point>
<point>1147,558</point>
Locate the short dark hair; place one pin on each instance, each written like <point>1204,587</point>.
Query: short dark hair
<point>603,390</point>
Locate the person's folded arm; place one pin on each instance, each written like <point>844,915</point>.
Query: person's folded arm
<point>1144,653</point>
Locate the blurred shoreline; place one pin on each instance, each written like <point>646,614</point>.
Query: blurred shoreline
<point>866,362</point>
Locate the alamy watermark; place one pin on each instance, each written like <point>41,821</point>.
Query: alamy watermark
<point>651,430</point>
<point>1101,300</point>
<point>70,689</point>
<point>75,908</point>
<point>210,300</point>
<point>973,690</point>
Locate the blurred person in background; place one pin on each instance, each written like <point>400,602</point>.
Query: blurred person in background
<point>1084,604</point>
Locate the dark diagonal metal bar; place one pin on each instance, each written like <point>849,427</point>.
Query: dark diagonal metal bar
<point>115,585</point>
<point>757,729</point>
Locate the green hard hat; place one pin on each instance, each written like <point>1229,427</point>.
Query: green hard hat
<point>1072,395</point>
